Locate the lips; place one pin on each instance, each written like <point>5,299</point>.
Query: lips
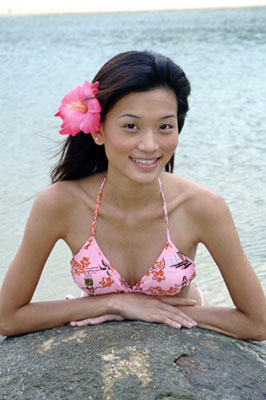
<point>145,161</point>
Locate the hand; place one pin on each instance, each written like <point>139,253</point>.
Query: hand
<point>137,306</point>
<point>164,310</point>
<point>97,320</point>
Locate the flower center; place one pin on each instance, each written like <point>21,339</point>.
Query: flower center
<point>78,106</point>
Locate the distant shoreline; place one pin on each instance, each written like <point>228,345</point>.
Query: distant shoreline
<point>10,8</point>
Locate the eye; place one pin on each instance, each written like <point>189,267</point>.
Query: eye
<point>131,127</point>
<point>166,127</point>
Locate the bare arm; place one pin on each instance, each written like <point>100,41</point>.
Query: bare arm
<point>216,229</point>
<point>248,319</point>
<point>46,224</point>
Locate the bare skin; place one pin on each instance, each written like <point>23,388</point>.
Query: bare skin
<point>18,315</point>
<point>190,292</point>
<point>130,210</point>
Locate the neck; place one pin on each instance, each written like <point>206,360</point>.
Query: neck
<point>128,194</point>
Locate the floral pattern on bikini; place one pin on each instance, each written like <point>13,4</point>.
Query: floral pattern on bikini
<point>158,291</point>
<point>157,271</point>
<point>106,282</point>
<point>94,274</point>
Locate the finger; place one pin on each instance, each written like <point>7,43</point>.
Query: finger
<point>175,313</point>
<point>187,323</point>
<point>79,323</point>
<point>88,321</point>
<point>85,322</point>
<point>166,321</point>
<point>97,320</point>
<point>182,319</point>
<point>104,318</point>
<point>173,321</point>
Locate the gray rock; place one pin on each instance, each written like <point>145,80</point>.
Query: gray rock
<point>129,361</point>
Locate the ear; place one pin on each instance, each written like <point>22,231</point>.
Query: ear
<point>98,136</point>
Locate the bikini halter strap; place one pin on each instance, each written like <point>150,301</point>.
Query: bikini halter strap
<point>98,204</point>
<point>97,207</point>
<point>165,213</point>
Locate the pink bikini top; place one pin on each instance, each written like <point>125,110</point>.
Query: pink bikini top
<point>94,274</point>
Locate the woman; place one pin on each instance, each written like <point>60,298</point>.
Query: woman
<point>115,170</point>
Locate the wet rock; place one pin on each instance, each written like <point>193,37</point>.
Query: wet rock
<point>131,360</point>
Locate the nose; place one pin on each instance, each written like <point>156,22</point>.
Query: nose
<point>148,142</point>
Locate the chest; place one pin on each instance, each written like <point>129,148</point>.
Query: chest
<point>133,243</point>
<point>132,247</point>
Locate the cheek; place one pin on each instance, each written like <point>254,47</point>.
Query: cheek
<point>116,144</point>
<point>169,143</point>
<point>115,141</point>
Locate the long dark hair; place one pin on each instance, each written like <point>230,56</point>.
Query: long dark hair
<point>133,71</point>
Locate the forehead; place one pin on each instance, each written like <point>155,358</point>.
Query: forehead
<point>162,99</point>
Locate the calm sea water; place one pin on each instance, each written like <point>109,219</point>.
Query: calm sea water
<point>222,146</point>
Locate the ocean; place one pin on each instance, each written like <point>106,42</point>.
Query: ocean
<point>222,145</point>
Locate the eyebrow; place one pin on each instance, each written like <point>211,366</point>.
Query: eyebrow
<point>135,116</point>
<point>169,116</point>
<point>128,115</point>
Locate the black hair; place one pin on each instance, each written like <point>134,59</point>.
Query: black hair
<point>129,72</point>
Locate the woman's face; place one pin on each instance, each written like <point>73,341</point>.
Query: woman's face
<point>140,134</point>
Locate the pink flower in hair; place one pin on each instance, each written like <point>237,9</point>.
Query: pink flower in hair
<point>80,110</point>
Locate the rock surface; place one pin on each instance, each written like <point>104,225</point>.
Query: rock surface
<point>130,361</point>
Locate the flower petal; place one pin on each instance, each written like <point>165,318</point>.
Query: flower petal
<point>90,123</point>
<point>80,110</point>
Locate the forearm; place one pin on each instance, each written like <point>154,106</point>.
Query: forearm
<point>228,321</point>
<point>42,315</point>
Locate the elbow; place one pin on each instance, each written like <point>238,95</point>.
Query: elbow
<point>260,335</point>
<point>3,327</point>
<point>8,331</point>
<point>258,330</point>
<point>6,328</point>
<point>5,332</point>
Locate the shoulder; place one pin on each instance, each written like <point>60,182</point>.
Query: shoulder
<point>55,204</point>
<point>199,201</point>
<point>63,194</point>
<point>203,211</point>
<point>49,211</point>
<point>56,196</point>
<point>56,207</point>
<point>65,199</point>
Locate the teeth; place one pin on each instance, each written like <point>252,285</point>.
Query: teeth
<point>147,162</point>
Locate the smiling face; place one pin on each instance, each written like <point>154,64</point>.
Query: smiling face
<point>140,134</point>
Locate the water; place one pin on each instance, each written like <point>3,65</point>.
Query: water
<point>222,146</point>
